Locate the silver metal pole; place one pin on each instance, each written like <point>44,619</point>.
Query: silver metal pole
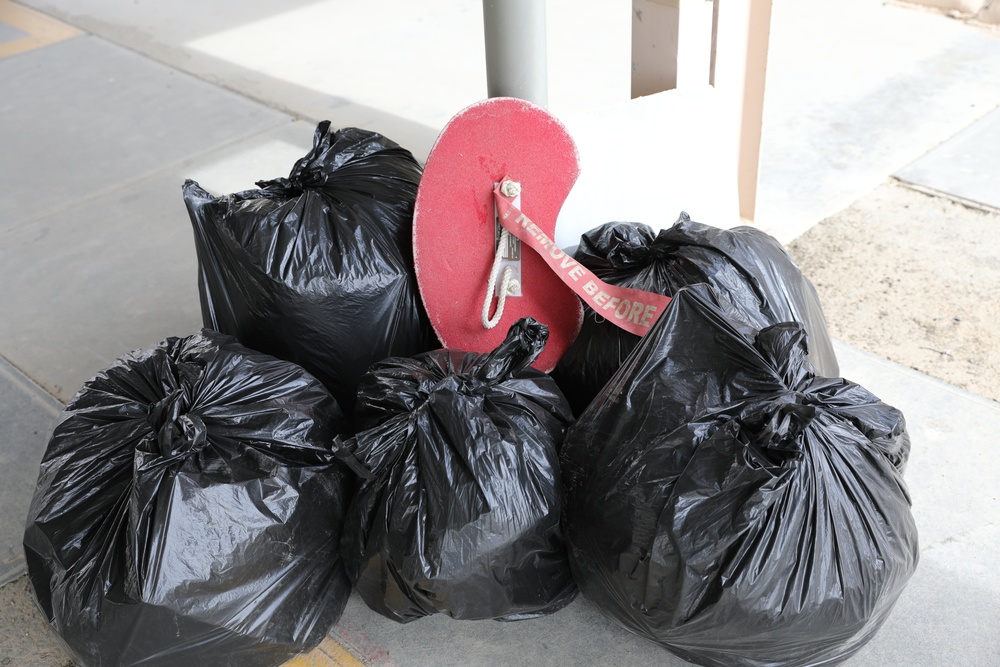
<point>516,64</point>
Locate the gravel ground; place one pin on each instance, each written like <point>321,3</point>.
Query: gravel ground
<point>26,640</point>
<point>914,279</point>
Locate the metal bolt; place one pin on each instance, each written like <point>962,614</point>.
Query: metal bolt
<point>510,189</point>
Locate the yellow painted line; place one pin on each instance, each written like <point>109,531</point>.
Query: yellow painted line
<point>41,30</point>
<point>328,654</point>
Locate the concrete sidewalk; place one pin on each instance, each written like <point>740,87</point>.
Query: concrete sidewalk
<point>108,106</point>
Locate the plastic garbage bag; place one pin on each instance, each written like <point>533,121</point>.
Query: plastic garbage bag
<point>317,268</point>
<point>723,500</point>
<point>749,267</point>
<point>188,511</point>
<point>459,509</point>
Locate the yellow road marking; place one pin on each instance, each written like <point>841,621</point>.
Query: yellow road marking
<point>328,654</point>
<point>41,30</point>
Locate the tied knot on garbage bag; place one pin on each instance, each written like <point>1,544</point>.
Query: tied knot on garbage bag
<point>189,508</point>
<point>458,511</point>
<point>747,266</point>
<point>524,342</point>
<point>632,247</point>
<point>772,430</point>
<point>177,430</point>
<point>335,159</point>
<point>723,499</point>
<point>773,435</point>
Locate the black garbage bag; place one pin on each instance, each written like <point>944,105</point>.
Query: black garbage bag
<point>188,511</point>
<point>459,509</point>
<point>746,265</point>
<point>723,500</point>
<point>318,268</point>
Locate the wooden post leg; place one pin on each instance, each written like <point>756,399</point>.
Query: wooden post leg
<point>759,30</point>
<point>743,30</point>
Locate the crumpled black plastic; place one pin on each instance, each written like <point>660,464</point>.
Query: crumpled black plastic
<point>723,500</point>
<point>748,266</point>
<point>459,511</point>
<point>188,511</point>
<point>317,268</point>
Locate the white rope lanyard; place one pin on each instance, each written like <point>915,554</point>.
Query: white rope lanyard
<point>507,286</point>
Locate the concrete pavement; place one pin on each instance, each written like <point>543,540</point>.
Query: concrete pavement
<point>106,107</point>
